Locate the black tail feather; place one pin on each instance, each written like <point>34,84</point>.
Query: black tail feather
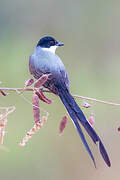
<point>75,121</point>
<point>104,153</point>
<point>76,114</point>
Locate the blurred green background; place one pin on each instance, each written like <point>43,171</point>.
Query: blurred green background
<point>91,33</point>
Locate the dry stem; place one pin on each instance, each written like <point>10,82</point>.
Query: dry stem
<point>76,96</point>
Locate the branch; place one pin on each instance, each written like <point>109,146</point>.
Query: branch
<point>96,100</point>
<point>44,90</point>
<point>38,94</point>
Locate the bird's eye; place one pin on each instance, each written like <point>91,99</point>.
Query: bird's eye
<point>52,43</point>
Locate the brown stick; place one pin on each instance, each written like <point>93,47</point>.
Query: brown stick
<point>76,96</point>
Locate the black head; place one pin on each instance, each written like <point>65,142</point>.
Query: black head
<point>47,42</point>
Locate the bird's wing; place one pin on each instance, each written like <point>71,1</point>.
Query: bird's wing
<point>48,63</point>
<point>36,68</point>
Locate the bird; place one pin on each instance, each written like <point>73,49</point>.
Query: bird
<point>45,61</point>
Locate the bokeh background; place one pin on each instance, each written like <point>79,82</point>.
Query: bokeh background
<point>91,33</point>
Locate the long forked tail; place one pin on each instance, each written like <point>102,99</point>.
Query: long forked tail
<point>77,115</point>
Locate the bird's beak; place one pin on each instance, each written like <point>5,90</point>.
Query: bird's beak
<point>60,44</point>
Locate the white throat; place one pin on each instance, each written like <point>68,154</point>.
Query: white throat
<point>51,49</point>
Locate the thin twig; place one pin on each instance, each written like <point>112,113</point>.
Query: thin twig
<point>44,90</point>
<point>21,89</point>
<point>96,100</point>
<point>8,110</point>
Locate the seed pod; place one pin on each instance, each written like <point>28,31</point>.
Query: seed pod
<point>119,128</point>
<point>36,109</point>
<point>3,123</point>
<point>29,82</point>
<point>91,120</point>
<point>41,80</point>
<point>3,93</point>
<point>29,134</point>
<point>63,124</point>
<point>44,119</point>
<point>21,144</point>
<point>42,97</point>
<point>86,105</point>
